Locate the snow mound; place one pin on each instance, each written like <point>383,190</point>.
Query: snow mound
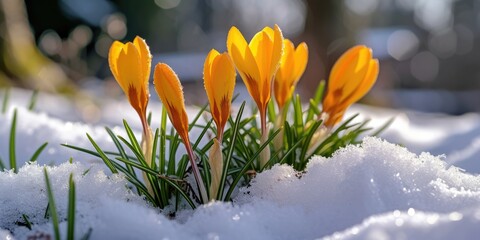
<point>372,191</point>
<point>25,193</point>
<point>415,225</point>
<point>360,181</point>
<point>34,129</point>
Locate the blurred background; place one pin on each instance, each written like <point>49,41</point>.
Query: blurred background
<point>429,50</point>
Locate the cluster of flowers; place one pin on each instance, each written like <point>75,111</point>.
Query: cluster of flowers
<point>267,60</point>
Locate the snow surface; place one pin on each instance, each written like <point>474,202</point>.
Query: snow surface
<point>377,190</point>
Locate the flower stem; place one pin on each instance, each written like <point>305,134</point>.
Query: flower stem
<point>265,153</point>
<point>196,172</point>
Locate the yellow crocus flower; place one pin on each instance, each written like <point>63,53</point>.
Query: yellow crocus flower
<point>169,89</point>
<point>257,62</point>
<point>219,80</point>
<point>292,66</point>
<point>130,65</point>
<point>352,76</point>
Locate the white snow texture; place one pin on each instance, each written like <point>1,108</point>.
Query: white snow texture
<point>376,190</point>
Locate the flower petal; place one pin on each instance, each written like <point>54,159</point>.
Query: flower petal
<point>169,89</point>
<point>223,75</point>
<point>113,55</point>
<point>207,75</point>
<point>301,59</point>
<point>145,57</point>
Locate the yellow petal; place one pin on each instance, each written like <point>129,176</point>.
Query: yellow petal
<point>113,55</point>
<point>301,59</point>
<point>261,47</point>
<point>367,82</point>
<point>356,72</point>
<point>223,76</point>
<point>169,89</point>
<point>277,50</point>
<point>351,78</point>
<point>283,77</point>
<point>130,79</point>
<point>336,79</point>
<point>207,75</point>
<point>243,59</point>
<point>145,57</point>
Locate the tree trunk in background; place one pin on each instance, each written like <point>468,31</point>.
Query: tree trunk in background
<point>21,62</point>
<point>326,37</point>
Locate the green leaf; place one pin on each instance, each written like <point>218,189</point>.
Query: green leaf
<point>52,206</point>
<point>121,152</point>
<point>102,155</point>
<point>87,234</point>
<point>165,178</point>
<point>13,159</point>
<point>228,157</point>
<point>133,139</point>
<point>250,161</point>
<point>6,98</point>
<point>383,127</point>
<point>298,114</point>
<point>271,111</point>
<point>71,209</point>
<point>33,100</point>
<point>28,224</point>
<point>38,152</point>
<point>316,101</point>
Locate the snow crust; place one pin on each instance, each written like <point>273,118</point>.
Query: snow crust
<point>377,190</point>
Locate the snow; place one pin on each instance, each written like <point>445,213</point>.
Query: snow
<point>377,190</point>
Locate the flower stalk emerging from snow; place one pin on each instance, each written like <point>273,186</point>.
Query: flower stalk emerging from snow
<point>169,89</point>
<point>352,76</point>
<point>219,80</point>
<point>257,62</point>
<point>130,64</point>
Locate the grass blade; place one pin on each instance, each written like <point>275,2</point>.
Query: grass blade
<point>102,155</point>
<point>316,100</point>
<point>383,127</point>
<point>28,224</point>
<point>6,98</point>
<point>38,152</point>
<point>228,158</point>
<point>71,209</point>
<point>120,149</point>
<point>250,161</point>
<point>52,207</point>
<point>33,100</point>
<point>13,159</point>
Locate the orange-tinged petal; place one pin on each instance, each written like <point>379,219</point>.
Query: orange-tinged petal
<point>257,62</point>
<point>261,46</point>
<point>292,66</point>
<point>243,59</point>
<point>169,89</point>
<point>207,75</point>
<point>113,54</point>
<point>145,56</point>
<point>367,83</point>
<point>357,72</point>
<point>223,76</point>
<point>301,59</point>
<point>334,80</point>
<point>277,50</point>
<point>130,65</point>
<point>129,75</point>
<point>352,76</point>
